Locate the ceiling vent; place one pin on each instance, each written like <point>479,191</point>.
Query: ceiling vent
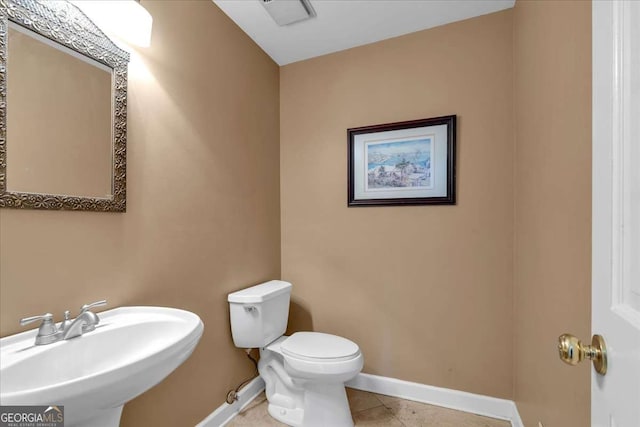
<point>286,12</point>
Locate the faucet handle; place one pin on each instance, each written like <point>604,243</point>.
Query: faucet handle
<point>46,318</point>
<point>47,332</point>
<point>86,307</point>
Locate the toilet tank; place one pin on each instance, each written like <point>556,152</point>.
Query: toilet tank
<point>259,314</point>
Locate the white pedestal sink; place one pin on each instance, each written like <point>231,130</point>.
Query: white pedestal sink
<point>94,375</point>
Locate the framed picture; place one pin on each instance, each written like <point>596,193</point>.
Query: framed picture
<point>405,163</point>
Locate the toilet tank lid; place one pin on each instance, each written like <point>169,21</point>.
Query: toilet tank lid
<point>261,292</point>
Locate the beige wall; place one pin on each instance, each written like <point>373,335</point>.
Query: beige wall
<point>202,209</point>
<point>552,58</point>
<point>426,291</point>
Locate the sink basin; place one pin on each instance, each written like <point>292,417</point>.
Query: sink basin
<point>94,375</point>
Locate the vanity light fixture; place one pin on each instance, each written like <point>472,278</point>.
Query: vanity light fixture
<point>126,20</point>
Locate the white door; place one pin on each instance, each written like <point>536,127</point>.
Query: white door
<point>615,397</point>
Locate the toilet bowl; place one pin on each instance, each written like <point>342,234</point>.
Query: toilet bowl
<point>304,373</point>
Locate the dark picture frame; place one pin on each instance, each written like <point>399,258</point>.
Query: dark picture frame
<point>402,163</point>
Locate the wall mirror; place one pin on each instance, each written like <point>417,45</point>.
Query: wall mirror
<point>63,97</point>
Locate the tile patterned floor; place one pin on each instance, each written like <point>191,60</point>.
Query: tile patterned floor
<point>376,410</point>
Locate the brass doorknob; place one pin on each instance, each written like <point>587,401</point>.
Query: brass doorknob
<point>572,351</point>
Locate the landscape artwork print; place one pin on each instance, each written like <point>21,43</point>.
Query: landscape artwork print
<point>402,163</point>
<point>399,164</point>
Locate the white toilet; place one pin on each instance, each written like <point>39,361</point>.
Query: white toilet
<point>304,373</point>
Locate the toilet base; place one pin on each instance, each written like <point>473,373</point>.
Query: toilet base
<point>325,405</point>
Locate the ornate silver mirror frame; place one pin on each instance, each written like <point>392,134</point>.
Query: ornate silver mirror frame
<point>65,24</point>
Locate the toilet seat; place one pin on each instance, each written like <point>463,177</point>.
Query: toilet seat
<point>319,357</point>
<point>319,347</point>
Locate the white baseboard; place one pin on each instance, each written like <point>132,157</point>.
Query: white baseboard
<point>459,400</point>
<point>516,421</point>
<point>453,399</point>
<point>226,412</point>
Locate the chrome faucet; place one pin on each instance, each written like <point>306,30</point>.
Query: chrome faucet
<point>81,324</point>
<point>48,333</point>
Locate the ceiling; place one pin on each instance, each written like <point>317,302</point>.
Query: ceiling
<point>343,24</point>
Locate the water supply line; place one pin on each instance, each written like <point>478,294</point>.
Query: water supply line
<point>232,395</point>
